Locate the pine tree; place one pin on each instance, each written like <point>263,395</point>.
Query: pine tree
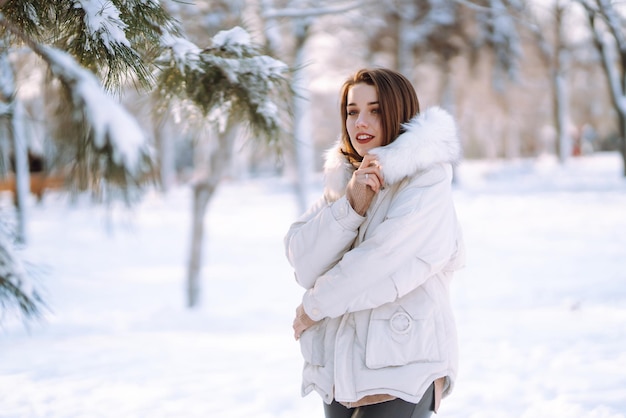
<point>94,49</point>
<point>221,85</point>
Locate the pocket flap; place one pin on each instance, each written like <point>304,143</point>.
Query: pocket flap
<point>418,305</point>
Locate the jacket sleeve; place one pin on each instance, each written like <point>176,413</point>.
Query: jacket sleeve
<point>318,240</point>
<point>417,239</point>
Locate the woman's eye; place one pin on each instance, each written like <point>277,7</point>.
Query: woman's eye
<point>376,111</point>
<point>352,112</point>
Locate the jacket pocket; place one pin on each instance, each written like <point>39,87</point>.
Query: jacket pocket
<point>403,332</point>
<point>312,344</point>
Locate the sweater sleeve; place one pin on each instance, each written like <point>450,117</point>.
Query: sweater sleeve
<point>318,240</point>
<point>415,241</point>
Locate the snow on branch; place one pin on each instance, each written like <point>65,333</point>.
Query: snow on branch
<point>437,16</point>
<point>111,150</point>
<point>230,75</point>
<point>103,22</point>
<point>233,39</point>
<point>311,11</point>
<point>184,53</point>
<point>115,39</point>
<point>110,125</point>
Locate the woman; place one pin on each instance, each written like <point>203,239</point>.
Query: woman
<point>376,254</point>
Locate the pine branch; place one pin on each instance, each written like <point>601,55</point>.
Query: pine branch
<point>100,132</point>
<point>230,77</point>
<point>16,290</point>
<point>11,296</point>
<point>118,40</point>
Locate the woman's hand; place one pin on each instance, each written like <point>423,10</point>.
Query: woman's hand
<point>302,322</point>
<point>366,181</point>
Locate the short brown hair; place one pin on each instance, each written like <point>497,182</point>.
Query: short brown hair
<point>397,100</point>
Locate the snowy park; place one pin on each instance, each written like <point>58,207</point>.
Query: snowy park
<point>155,99</point>
<point>540,306</point>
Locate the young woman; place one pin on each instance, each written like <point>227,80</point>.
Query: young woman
<point>376,255</point>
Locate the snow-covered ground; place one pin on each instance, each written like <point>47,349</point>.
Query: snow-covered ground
<point>541,305</point>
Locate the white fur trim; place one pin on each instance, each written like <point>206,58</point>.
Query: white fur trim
<point>429,138</point>
<point>337,173</point>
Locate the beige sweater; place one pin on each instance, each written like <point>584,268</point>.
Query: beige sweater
<point>374,399</point>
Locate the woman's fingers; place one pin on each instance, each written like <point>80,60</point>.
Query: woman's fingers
<point>369,179</point>
<point>368,160</point>
<point>298,329</point>
<point>369,173</point>
<point>301,323</point>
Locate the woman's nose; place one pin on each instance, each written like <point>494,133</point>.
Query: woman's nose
<point>360,121</point>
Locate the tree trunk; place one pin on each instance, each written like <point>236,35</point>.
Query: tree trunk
<point>448,101</point>
<point>14,123</point>
<point>202,193</point>
<point>164,132</point>
<point>212,162</point>
<point>561,117</point>
<point>404,54</point>
<point>7,89</point>
<point>616,79</point>
<point>560,90</point>
<point>303,149</point>
<point>22,175</point>
<point>303,142</point>
<point>622,133</point>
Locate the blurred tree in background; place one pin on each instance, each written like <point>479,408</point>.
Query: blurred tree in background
<point>92,49</point>
<point>522,77</point>
<point>96,142</point>
<point>607,24</point>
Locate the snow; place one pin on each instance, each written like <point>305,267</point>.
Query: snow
<point>102,20</point>
<point>184,52</point>
<point>258,73</point>
<point>231,38</point>
<point>540,307</point>
<point>110,122</point>
<point>262,68</point>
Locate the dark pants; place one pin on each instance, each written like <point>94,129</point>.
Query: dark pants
<point>397,408</point>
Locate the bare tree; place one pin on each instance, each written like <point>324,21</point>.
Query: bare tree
<point>555,51</point>
<point>300,17</point>
<point>608,28</point>
<point>438,33</point>
<point>559,71</point>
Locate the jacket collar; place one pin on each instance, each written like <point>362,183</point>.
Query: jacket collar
<point>429,138</point>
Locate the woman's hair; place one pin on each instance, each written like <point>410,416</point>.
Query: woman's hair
<point>397,101</point>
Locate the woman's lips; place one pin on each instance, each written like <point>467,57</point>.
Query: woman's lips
<point>364,138</point>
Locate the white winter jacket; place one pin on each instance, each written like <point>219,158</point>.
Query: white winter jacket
<point>378,284</point>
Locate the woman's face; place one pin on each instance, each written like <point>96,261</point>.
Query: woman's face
<point>363,121</point>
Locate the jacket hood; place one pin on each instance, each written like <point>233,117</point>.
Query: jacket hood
<point>429,138</point>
